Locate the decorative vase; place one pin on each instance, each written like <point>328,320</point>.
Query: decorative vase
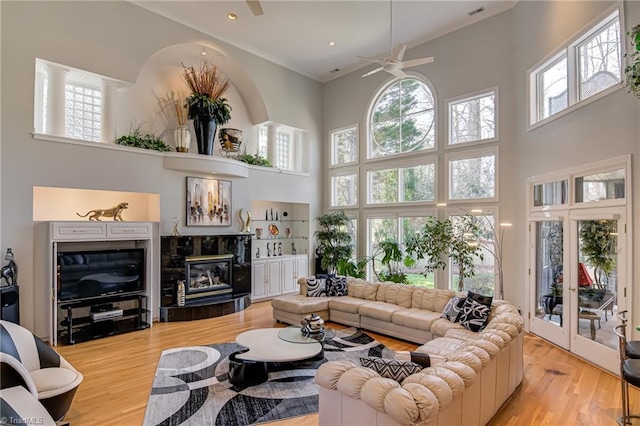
<point>181,293</point>
<point>182,138</point>
<point>230,141</point>
<point>205,128</point>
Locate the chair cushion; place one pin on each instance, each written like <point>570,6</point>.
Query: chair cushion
<point>631,371</point>
<point>633,349</point>
<point>51,379</point>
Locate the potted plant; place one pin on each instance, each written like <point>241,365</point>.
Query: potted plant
<point>207,107</point>
<point>632,71</point>
<point>334,242</point>
<point>439,238</point>
<point>137,138</point>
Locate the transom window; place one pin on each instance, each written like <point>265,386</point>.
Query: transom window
<point>402,119</point>
<point>344,146</point>
<point>582,69</point>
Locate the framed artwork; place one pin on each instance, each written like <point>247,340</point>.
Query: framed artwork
<point>208,202</point>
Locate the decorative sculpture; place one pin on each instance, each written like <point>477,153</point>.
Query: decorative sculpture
<point>10,271</point>
<point>175,232</point>
<point>312,324</point>
<point>114,212</point>
<point>245,223</point>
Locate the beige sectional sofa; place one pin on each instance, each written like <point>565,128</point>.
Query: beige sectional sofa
<point>481,370</point>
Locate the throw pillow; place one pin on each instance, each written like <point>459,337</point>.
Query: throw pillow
<point>423,359</point>
<point>391,368</point>
<point>452,309</point>
<point>316,287</point>
<point>336,286</point>
<point>480,298</point>
<point>474,315</point>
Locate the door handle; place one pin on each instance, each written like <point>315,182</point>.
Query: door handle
<point>572,288</point>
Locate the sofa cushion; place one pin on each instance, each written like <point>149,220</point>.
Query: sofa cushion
<point>415,318</point>
<point>336,286</point>
<point>316,286</point>
<point>347,304</point>
<point>379,310</point>
<point>431,299</point>
<point>474,315</point>
<point>441,326</point>
<point>362,289</point>
<point>453,308</point>
<point>298,304</point>
<point>391,368</point>
<point>398,294</point>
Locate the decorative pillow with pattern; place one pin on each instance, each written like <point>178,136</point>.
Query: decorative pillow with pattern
<point>391,368</point>
<point>474,315</point>
<point>316,287</point>
<point>337,286</point>
<point>480,298</point>
<point>453,308</point>
<point>423,359</point>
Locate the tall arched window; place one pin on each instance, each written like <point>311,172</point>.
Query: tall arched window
<point>402,119</point>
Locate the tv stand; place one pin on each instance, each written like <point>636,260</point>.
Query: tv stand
<point>83,318</point>
<point>102,316</point>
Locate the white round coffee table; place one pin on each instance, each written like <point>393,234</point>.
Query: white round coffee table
<point>249,367</point>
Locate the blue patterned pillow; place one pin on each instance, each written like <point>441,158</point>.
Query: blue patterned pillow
<point>452,309</point>
<point>474,315</point>
<point>337,286</point>
<point>391,368</point>
<point>316,287</point>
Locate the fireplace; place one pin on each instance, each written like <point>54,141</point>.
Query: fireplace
<point>208,276</point>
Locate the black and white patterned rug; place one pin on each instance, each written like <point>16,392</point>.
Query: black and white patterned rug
<point>191,385</point>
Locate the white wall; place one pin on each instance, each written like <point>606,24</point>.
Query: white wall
<point>117,39</point>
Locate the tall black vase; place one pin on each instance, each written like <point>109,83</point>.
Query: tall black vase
<point>205,129</point>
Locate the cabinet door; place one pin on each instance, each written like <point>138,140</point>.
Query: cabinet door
<point>129,230</point>
<point>259,280</point>
<point>274,285</point>
<point>77,231</point>
<point>288,275</point>
<point>302,267</point>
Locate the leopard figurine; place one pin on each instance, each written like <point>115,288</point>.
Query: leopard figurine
<point>114,212</point>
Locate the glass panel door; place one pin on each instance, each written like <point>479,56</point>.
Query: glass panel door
<point>547,279</point>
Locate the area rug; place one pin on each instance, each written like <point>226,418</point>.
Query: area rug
<point>191,385</point>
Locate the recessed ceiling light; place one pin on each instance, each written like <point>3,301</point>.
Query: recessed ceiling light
<point>332,43</point>
<point>203,53</point>
<point>232,16</point>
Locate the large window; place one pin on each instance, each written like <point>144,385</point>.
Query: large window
<point>587,66</point>
<point>402,119</point>
<point>472,175</point>
<point>344,146</point>
<point>344,189</point>
<point>473,118</point>
<point>414,183</point>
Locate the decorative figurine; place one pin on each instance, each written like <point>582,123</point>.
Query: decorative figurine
<point>114,212</point>
<point>258,253</point>
<point>279,248</point>
<point>312,324</point>
<point>268,250</point>
<point>175,232</point>
<point>258,233</point>
<point>287,232</point>
<point>10,271</point>
<point>245,223</point>
<point>293,249</point>
<point>181,293</point>
<point>276,215</point>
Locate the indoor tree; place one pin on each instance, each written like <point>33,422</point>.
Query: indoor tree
<point>334,241</point>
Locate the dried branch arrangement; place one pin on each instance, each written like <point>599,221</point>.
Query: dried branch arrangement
<point>206,80</point>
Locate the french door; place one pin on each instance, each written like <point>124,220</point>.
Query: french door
<point>578,280</point>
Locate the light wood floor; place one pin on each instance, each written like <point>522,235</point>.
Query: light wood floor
<point>558,388</point>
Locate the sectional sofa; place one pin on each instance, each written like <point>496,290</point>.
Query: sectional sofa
<point>478,372</point>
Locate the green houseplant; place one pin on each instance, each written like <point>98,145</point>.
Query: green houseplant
<point>457,240</point>
<point>207,106</point>
<point>632,70</point>
<point>254,159</point>
<point>334,242</point>
<point>138,138</point>
<point>598,246</point>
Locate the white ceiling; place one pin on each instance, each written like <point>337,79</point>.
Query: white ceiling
<point>295,34</point>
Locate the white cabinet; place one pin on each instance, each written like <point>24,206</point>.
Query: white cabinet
<point>275,276</point>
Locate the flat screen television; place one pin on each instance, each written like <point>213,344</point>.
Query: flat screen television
<point>90,274</point>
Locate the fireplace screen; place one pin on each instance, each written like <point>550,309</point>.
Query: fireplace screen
<point>208,275</point>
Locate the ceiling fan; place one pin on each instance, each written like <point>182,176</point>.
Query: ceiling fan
<point>394,63</point>
<point>255,6</point>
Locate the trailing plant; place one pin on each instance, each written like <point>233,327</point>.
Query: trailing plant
<point>438,239</point>
<point>207,86</point>
<point>254,159</point>
<point>334,242</point>
<point>632,71</point>
<point>137,138</point>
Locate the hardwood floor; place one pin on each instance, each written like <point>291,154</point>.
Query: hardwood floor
<point>558,388</point>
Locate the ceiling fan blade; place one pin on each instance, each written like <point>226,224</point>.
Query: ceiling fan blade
<point>372,72</point>
<point>415,62</point>
<point>398,54</point>
<point>255,7</point>
<point>375,61</point>
<point>398,73</point>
